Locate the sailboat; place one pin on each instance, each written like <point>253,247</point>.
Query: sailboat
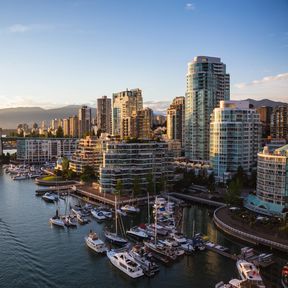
<point>159,248</point>
<point>57,220</point>
<point>114,237</point>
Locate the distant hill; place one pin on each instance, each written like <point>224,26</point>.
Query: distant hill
<point>11,117</point>
<point>264,102</point>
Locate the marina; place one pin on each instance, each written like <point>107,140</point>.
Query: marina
<point>184,263</point>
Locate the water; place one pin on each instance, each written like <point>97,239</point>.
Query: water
<point>34,254</point>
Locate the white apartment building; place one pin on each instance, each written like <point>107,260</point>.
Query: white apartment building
<point>37,150</point>
<point>272,183</point>
<point>235,138</point>
<point>125,161</point>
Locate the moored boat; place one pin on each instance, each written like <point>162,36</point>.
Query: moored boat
<point>284,279</point>
<point>57,220</point>
<point>130,209</point>
<point>95,243</point>
<point>248,271</point>
<point>50,197</point>
<point>137,233</point>
<point>124,262</point>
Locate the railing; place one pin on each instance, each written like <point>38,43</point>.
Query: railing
<point>246,236</point>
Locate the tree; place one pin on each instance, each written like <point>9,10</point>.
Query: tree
<point>136,186</point>
<point>150,184</point>
<point>118,187</point>
<point>88,174</point>
<point>211,183</point>
<point>59,132</point>
<point>232,195</point>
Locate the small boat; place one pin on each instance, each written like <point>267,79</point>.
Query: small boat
<point>50,197</point>
<point>248,271</point>
<point>234,283</point>
<point>284,279</point>
<point>115,238</point>
<point>161,249</point>
<point>81,219</point>
<point>137,233</point>
<point>149,268</point>
<point>19,177</point>
<point>130,209</point>
<point>57,220</point>
<point>124,262</point>
<point>98,215</point>
<point>120,212</point>
<point>96,244</point>
<point>70,221</point>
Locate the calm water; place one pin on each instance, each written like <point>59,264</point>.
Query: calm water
<point>34,254</point>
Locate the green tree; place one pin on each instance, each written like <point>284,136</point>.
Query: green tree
<point>233,193</point>
<point>211,183</point>
<point>136,186</point>
<point>150,184</point>
<point>88,174</point>
<point>118,187</point>
<point>59,132</point>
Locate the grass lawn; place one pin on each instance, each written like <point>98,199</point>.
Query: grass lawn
<point>52,178</point>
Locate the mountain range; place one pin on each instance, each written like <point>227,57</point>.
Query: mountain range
<point>11,117</point>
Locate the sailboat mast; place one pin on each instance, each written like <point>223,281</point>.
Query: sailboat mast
<point>155,224</point>
<point>148,207</point>
<point>116,215</point>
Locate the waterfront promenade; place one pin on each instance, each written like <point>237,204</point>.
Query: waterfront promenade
<point>223,220</point>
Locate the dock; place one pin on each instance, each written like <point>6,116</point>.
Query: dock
<point>60,189</point>
<point>197,199</point>
<point>97,197</point>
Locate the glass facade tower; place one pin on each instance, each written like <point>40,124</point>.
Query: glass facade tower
<point>207,84</point>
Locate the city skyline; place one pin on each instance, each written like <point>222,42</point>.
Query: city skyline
<point>73,52</point>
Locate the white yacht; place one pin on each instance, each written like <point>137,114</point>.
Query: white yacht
<point>130,209</point>
<point>234,283</point>
<point>95,243</point>
<point>50,197</point>
<point>98,214</point>
<point>248,271</point>
<point>137,233</point>
<point>124,262</point>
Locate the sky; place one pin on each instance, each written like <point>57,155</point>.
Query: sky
<point>62,52</point>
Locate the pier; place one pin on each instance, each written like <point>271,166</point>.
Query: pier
<point>109,199</point>
<point>197,199</point>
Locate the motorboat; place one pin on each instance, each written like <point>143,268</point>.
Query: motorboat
<point>108,214</point>
<point>248,271</point>
<point>57,220</point>
<point>161,249</point>
<point>179,238</point>
<point>81,219</point>
<point>139,255</point>
<point>95,243</point>
<point>234,283</point>
<point>137,233</point>
<point>130,209</point>
<point>98,215</point>
<point>120,212</point>
<point>114,238</point>
<point>50,197</point>
<point>284,279</point>
<point>70,221</point>
<point>124,262</point>
<point>19,177</point>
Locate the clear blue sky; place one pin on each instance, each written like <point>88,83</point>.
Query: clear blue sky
<point>55,52</point>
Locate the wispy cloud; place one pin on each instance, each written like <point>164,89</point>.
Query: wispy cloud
<point>18,28</point>
<point>264,80</point>
<point>190,6</point>
<point>25,28</point>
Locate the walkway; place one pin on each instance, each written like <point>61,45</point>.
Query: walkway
<point>223,220</point>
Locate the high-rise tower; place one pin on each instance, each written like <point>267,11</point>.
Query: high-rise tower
<point>207,84</point>
<point>126,104</point>
<point>104,114</point>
